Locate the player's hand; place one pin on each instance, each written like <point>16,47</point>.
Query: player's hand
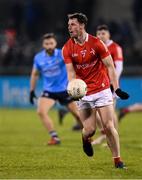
<point>121,94</point>
<point>111,88</point>
<point>32,97</point>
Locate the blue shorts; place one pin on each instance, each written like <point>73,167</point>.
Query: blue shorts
<point>62,97</point>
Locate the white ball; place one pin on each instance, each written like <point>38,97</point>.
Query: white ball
<point>77,88</point>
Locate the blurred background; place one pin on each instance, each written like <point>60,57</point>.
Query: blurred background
<point>23,22</point>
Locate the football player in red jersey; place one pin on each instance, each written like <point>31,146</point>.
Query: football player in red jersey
<point>88,58</point>
<point>117,55</point>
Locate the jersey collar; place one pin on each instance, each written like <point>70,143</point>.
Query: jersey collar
<point>109,42</point>
<point>86,40</point>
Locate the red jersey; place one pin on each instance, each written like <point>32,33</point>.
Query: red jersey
<point>87,62</point>
<point>115,50</point>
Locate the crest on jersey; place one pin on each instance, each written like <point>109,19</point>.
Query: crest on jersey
<point>92,51</point>
<point>83,52</point>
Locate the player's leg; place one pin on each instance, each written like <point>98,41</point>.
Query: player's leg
<point>107,114</point>
<point>61,114</point>
<point>44,105</point>
<point>133,108</point>
<point>115,118</point>
<point>72,107</point>
<point>89,127</point>
<point>102,137</point>
<point>66,100</point>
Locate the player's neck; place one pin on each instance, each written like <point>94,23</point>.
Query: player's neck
<point>81,38</point>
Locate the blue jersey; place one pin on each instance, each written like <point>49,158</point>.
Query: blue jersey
<point>53,70</point>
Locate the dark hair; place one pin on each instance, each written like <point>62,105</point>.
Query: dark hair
<point>102,27</point>
<point>82,18</point>
<point>48,36</point>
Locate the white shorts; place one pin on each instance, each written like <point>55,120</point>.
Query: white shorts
<point>100,99</point>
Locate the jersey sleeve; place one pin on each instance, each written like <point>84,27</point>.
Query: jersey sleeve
<point>117,53</point>
<point>35,64</point>
<point>66,55</point>
<point>102,49</point>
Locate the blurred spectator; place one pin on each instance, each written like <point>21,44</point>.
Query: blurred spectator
<point>9,40</point>
<point>17,15</point>
<point>23,22</point>
<point>137,13</point>
<point>34,16</point>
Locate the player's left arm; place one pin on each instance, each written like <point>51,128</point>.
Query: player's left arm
<point>108,62</point>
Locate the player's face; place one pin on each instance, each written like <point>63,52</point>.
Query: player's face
<point>103,35</point>
<point>74,28</point>
<point>49,45</point>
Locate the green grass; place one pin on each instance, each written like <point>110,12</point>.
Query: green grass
<point>23,153</point>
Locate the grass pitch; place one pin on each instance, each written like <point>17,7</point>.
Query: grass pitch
<point>24,153</point>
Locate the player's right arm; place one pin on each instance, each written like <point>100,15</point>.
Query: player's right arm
<point>70,71</point>
<point>33,80</point>
<point>118,60</point>
<point>69,66</point>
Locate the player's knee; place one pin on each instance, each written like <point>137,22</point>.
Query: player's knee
<point>108,128</point>
<point>40,112</point>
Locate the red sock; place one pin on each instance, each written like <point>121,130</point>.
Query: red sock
<point>126,110</point>
<point>117,160</point>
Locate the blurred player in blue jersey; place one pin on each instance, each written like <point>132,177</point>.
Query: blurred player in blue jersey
<point>49,63</point>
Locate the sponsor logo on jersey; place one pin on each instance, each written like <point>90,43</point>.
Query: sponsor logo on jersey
<point>74,55</point>
<point>84,66</point>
